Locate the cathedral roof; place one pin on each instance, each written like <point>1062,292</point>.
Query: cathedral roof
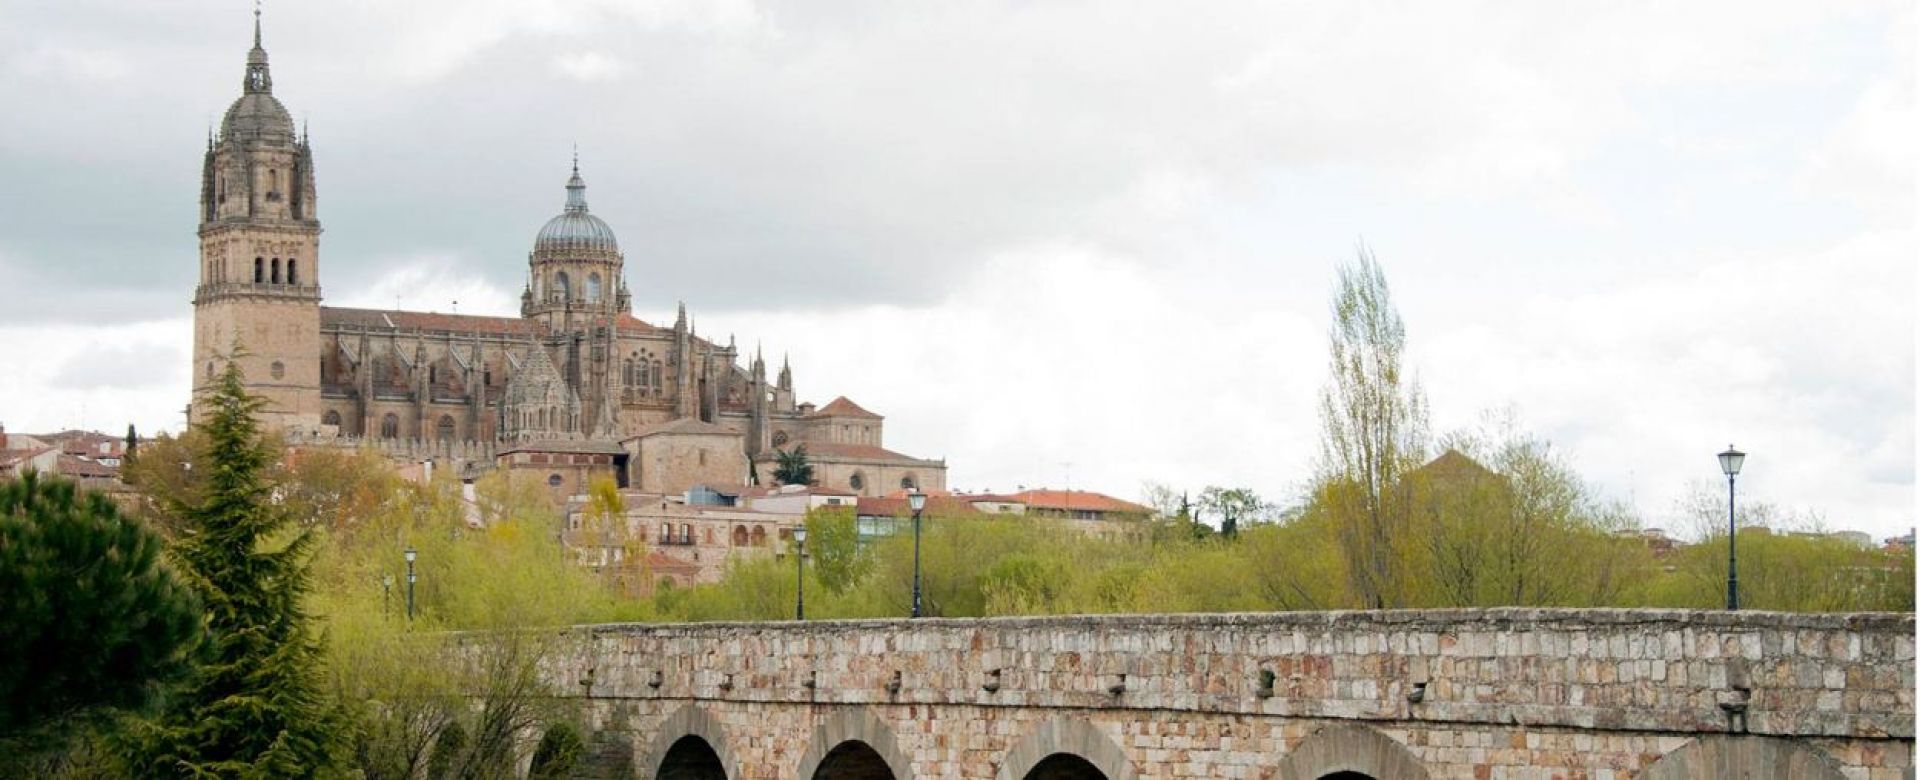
<point>393,319</point>
<point>574,228</point>
<point>842,407</point>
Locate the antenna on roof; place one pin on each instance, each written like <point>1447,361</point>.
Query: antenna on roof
<point>456,306</point>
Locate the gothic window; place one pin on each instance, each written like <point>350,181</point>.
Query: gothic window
<point>858,481</point>
<point>390,426</point>
<point>433,374</point>
<point>593,288</point>
<point>331,418</point>
<point>626,372</point>
<point>276,270</point>
<point>279,370</point>
<point>259,270</point>
<point>446,427</point>
<point>563,288</point>
<point>656,376</point>
<point>293,272</point>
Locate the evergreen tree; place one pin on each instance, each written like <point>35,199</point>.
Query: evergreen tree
<point>254,708</point>
<point>91,619</point>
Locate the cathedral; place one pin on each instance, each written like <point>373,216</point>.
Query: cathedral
<point>573,386</point>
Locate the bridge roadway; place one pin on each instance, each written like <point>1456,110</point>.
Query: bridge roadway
<point>1487,693</point>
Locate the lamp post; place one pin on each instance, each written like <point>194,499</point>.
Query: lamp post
<point>800,572</point>
<point>916,501</point>
<point>1730,462</point>
<point>386,595</point>
<point>410,554</point>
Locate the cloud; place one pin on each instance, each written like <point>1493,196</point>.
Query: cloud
<point>588,66</point>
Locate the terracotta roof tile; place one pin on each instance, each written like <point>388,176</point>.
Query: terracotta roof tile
<point>842,407</point>
<point>938,506</point>
<point>1077,500</point>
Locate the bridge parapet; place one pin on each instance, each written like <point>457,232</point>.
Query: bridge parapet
<point>1488,687</point>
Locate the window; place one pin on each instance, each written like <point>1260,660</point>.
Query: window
<point>686,533</point>
<point>703,457</point>
<point>446,427</point>
<point>666,533</point>
<point>562,287</point>
<point>331,418</point>
<point>433,374</point>
<point>759,536</point>
<point>858,481</point>
<point>779,438</point>
<point>593,288</point>
<point>390,426</point>
<point>907,482</point>
<point>293,277</point>
<point>278,369</point>
<point>554,480</point>
<point>259,270</point>
<point>276,270</point>
<point>739,536</point>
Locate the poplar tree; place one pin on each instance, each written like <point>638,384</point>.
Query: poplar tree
<point>255,706</point>
<point>1375,429</point>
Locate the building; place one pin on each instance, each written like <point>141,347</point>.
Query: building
<point>574,386</point>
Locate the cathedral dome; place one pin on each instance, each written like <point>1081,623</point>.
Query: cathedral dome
<point>257,116</point>
<point>574,228</point>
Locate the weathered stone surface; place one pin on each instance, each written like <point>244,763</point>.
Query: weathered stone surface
<point>1431,693</point>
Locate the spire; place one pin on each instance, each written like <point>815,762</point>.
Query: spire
<point>576,188</point>
<point>258,80</point>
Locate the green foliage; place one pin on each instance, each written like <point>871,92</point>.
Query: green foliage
<point>447,749</point>
<point>791,466</point>
<point>1232,506</point>
<point>255,706</point>
<point>560,750</point>
<point>833,545</point>
<point>93,620</point>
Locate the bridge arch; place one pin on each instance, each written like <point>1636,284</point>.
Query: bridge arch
<point>1348,751</point>
<point>1060,747</point>
<point>690,744</point>
<point>854,742</point>
<point>1761,758</point>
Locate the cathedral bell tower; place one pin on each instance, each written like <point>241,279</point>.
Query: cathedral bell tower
<point>259,256</point>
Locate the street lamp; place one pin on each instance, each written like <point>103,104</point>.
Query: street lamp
<point>916,501</point>
<point>1730,462</point>
<point>386,595</point>
<point>410,554</point>
<point>800,572</point>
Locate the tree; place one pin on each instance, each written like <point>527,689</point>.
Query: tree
<point>1232,506</point>
<point>93,620</point>
<point>255,705</point>
<point>133,445</point>
<point>560,750</point>
<point>792,467</point>
<point>833,542</point>
<point>1375,426</point>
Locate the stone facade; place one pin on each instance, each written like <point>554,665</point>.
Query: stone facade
<point>574,365</point>
<point>1396,694</point>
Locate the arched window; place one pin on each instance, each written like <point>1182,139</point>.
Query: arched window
<point>390,426</point>
<point>330,418</point>
<point>276,270</point>
<point>433,374</point>
<point>543,419</point>
<point>273,181</point>
<point>293,271</point>
<point>593,288</point>
<point>626,373</point>
<point>446,428</point>
<point>562,287</point>
<point>656,375</point>
<point>907,482</point>
<point>759,536</point>
<point>739,536</point>
<point>858,481</point>
<point>259,270</point>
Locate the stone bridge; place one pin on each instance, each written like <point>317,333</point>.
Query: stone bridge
<point>1493,693</point>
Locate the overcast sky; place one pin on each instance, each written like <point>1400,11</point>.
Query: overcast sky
<point>1086,243</point>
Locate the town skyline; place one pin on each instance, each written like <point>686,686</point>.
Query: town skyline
<point>1168,322</point>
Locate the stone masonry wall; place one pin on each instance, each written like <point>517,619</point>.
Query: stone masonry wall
<point>1444,693</point>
